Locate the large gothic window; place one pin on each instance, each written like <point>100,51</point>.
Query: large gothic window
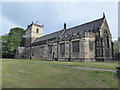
<point>106,40</point>
<point>62,48</point>
<point>97,47</point>
<point>75,46</point>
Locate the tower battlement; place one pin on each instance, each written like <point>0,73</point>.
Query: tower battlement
<point>33,31</point>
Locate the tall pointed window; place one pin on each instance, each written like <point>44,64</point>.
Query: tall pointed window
<point>106,40</point>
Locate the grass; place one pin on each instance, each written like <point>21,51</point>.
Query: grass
<point>0,74</point>
<point>22,74</point>
<point>99,65</point>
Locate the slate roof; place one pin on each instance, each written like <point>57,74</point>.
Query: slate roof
<point>42,40</point>
<point>49,36</point>
<point>90,26</point>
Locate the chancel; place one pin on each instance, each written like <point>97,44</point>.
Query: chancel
<point>88,42</point>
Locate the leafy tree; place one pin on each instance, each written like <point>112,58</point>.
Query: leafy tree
<point>11,41</point>
<point>116,47</point>
<point>18,32</point>
<point>0,47</point>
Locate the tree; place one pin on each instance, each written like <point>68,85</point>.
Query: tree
<point>11,41</point>
<point>116,47</point>
<point>0,47</point>
<point>18,32</point>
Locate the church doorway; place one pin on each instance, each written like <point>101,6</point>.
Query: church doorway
<point>53,55</point>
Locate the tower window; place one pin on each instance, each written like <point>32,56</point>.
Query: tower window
<point>37,30</point>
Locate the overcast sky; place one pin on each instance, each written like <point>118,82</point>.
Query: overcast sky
<point>53,15</point>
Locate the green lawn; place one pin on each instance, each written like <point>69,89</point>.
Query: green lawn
<point>0,74</point>
<point>25,74</point>
<point>99,65</point>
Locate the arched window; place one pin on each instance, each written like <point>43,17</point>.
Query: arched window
<point>106,40</point>
<point>37,31</point>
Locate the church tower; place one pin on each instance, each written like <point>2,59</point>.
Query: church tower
<point>33,31</point>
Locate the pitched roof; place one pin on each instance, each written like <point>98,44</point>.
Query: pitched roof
<point>93,25</point>
<point>90,26</point>
<point>50,36</point>
<point>42,40</point>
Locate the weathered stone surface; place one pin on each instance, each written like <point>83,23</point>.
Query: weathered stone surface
<point>94,40</point>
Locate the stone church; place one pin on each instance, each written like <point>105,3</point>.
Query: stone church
<point>91,41</point>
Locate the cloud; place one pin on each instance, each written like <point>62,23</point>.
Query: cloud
<point>53,14</point>
<point>7,25</point>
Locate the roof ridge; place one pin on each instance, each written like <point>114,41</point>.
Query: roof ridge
<point>51,33</point>
<point>64,31</point>
<point>48,34</point>
<point>87,23</point>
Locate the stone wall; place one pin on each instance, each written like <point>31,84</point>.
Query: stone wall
<point>33,32</point>
<point>84,54</point>
<point>92,45</point>
<point>104,28</point>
